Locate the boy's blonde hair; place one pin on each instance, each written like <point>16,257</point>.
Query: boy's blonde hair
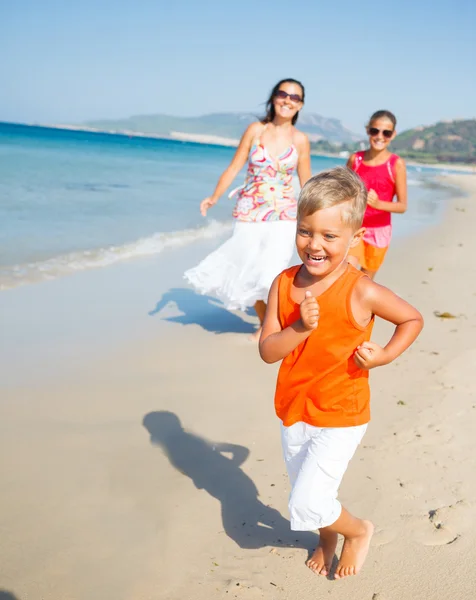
<point>332,187</point>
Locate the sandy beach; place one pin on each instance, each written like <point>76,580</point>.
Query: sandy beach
<point>140,456</point>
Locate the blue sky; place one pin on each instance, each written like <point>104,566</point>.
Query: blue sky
<point>69,61</point>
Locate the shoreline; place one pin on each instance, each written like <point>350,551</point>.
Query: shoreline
<point>153,246</point>
<point>444,166</point>
<point>93,506</point>
<point>216,140</point>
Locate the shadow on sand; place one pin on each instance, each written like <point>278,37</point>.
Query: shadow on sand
<point>205,311</point>
<point>4,595</point>
<point>246,520</point>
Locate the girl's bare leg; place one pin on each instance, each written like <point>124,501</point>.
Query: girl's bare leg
<point>370,274</point>
<point>354,261</point>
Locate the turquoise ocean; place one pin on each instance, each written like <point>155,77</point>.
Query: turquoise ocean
<point>75,200</point>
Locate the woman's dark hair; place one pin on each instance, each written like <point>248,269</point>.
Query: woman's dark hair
<point>270,112</point>
<point>383,114</point>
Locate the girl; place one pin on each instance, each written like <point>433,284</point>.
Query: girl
<point>384,175</point>
<point>240,272</point>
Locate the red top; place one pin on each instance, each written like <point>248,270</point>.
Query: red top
<point>319,382</point>
<point>381,179</point>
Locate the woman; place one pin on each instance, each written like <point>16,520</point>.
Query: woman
<point>240,272</point>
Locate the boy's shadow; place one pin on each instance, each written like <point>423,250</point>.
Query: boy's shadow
<point>4,595</point>
<point>246,520</point>
<point>202,310</point>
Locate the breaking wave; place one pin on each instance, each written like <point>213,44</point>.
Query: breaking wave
<point>58,266</point>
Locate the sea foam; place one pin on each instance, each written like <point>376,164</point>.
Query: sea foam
<point>58,266</point>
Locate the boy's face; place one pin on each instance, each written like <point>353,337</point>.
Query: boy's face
<point>323,240</point>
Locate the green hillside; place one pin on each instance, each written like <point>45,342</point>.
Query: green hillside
<point>448,141</point>
<point>445,142</point>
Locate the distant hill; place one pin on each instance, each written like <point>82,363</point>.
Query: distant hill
<point>447,141</point>
<point>226,125</point>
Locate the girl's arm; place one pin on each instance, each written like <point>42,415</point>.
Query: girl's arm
<point>383,303</point>
<point>276,343</point>
<point>304,159</point>
<point>237,163</point>
<point>400,206</point>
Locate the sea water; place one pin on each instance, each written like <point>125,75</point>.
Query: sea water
<point>76,200</point>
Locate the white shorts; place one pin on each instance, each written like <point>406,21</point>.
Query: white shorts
<point>316,459</point>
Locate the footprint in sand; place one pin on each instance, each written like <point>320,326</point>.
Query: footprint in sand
<point>384,536</point>
<point>243,586</point>
<point>411,489</point>
<point>458,373</point>
<point>445,525</point>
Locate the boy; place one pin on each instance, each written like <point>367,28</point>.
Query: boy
<point>318,322</point>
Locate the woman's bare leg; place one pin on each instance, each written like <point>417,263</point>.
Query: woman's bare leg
<point>260,309</point>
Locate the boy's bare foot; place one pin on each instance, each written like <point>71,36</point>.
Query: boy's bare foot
<point>321,561</point>
<point>354,552</point>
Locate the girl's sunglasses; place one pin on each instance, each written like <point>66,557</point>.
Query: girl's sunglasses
<point>293,97</point>
<point>387,133</point>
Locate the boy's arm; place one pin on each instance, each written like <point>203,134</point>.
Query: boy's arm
<point>388,306</point>
<point>276,343</point>
<point>239,453</point>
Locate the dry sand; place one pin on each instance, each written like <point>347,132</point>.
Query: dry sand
<point>104,497</point>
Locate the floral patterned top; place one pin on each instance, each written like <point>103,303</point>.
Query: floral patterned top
<point>268,193</point>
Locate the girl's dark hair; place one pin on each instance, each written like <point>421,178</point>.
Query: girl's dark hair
<point>383,114</point>
<point>270,112</point>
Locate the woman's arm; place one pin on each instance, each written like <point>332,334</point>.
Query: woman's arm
<point>276,343</point>
<point>350,161</point>
<point>400,206</point>
<point>237,163</point>
<point>304,159</point>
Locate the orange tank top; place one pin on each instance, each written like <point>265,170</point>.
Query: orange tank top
<point>319,382</point>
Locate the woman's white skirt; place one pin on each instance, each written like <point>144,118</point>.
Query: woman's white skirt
<point>241,271</point>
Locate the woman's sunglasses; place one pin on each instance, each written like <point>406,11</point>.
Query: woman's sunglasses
<point>293,97</point>
<point>387,133</point>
